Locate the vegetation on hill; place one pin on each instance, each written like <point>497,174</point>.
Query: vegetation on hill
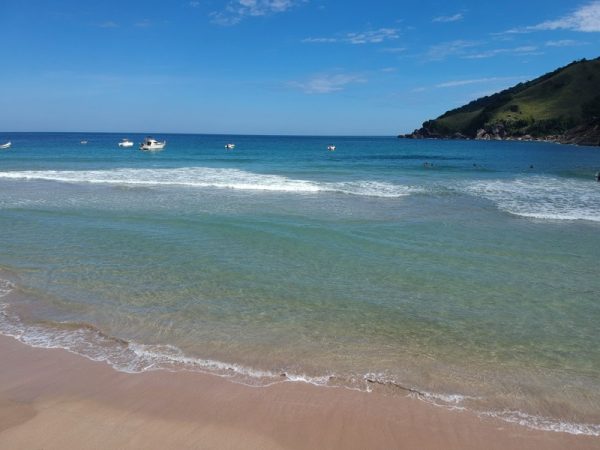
<point>560,106</point>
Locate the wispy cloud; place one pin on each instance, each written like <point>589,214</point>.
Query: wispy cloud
<point>108,24</point>
<point>144,23</point>
<point>586,18</point>
<point>364,37</point>
<point>521,51</point>
<point>194,3</point>
<point>442,51</point>
<point>320,40</point>
<point>393,50</point>
<point>327,83</point>
<point>446,19</point>
<point>565,43</point>
<point>457,83</point>
<point>491,81</point>
<point>237,10</point>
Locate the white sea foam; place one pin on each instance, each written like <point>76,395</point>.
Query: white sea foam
<point>542,197</point>
<point>206,177</point>
<point>545,423</point>
<point>133,357</point>
<point>6,287</point>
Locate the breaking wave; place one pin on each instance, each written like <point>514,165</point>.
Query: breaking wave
<point>542,197</point>
<point>204,177</point>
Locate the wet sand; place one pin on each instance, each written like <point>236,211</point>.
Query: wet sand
<point>53,399</point>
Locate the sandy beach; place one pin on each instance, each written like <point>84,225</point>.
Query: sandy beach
<point>53,399</point>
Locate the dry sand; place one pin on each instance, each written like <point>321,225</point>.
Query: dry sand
<point>52,399</point>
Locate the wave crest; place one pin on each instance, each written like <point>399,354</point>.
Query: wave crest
<point>542,197</point>
<point>205,177</point>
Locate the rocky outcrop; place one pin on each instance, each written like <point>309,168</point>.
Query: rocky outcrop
<point>585,134</point>
<point>425,133</point>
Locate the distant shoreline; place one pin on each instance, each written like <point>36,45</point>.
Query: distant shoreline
<point>145,133</point>
<point>546,140</point>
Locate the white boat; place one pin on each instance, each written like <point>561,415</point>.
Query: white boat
<point>7,145</point>
<point>152,144</point>
<point>83,142</point>
<point>125,143</point>
<point>229,146</point>
<point>331,148</point>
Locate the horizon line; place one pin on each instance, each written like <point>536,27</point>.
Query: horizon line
<point>203,134</point>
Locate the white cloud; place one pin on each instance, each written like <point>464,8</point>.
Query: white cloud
<point>320,40</point>
<point>108,24</point>
<point>365,37</point>
<point>327,83</point>
<point>564,43</point>
<point>453,48</point>
<point>456,83</point>
<point>520,51</point>
<point>446,19</point>
<point>372,37</point>
<point>194,3</point>
<point>586,18</point>
<point>237,10</point>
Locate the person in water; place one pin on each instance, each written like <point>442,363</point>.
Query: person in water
<point>598,177</point>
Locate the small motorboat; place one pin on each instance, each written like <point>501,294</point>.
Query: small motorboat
<point>229,146</point>
<point>7,145</point>
<point>152,144</point>
<point>83,142</point>
<point>125,143</point>
<point>331,148</point>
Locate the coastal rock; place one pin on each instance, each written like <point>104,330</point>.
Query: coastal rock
<point>587,134</point>
<point>421,133</point>
<point>481,134</point>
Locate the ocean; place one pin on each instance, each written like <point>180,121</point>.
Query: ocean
<point>464,273</point>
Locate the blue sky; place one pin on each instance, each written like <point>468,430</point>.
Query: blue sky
<point>320,67</point>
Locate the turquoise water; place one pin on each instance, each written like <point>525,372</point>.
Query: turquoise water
<point>472,280</point>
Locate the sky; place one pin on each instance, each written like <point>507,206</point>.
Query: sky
<point>298,67</point>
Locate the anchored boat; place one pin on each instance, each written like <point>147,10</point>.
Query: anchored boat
<point>125,143</point>
<point>152,144</point>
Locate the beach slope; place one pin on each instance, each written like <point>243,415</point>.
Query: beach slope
<point>53,399</point>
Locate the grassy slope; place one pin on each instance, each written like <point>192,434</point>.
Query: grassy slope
<point>555,98</point>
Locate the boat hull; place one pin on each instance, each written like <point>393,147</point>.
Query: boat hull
<point>152,147</point>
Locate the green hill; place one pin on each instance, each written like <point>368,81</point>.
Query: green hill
<point>563,105</point>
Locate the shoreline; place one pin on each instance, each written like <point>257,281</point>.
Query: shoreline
<point>495,139</point>
<point>51,398</point>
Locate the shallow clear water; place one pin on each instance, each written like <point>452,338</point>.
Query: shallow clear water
<point>472,279</point>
